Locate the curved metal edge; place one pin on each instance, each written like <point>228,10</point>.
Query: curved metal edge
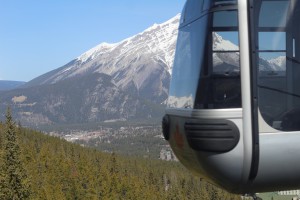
<point>246,87</point>
<point>235,113</point>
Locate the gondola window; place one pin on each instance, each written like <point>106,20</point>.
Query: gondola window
<point>206,75</point>
<point>278,64</point>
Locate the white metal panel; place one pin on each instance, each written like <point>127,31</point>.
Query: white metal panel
<point>246,89</point>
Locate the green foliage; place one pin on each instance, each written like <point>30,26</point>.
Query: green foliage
<point>61,170</point>
<point>143,142</point>
<point>13,179</point>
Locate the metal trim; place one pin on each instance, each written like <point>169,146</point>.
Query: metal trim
<point>233,113</point>
<point>246,87</point>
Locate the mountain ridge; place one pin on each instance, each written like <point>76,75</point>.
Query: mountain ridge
<point>134,63</point>
<point>9,85</point>
<point>122,81</point>
<point>85,99</point>
<point>135,43</point>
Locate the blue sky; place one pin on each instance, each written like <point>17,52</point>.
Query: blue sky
<point>37,36</point>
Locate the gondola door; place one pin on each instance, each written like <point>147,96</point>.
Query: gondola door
<point>275,93</point>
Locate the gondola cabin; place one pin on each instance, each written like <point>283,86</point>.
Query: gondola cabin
<point>233,111</point>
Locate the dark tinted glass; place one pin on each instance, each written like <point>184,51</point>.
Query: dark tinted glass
<point>272,41</point>
<point>225,19</point>
<point>193,8</point>
<point>278,66</point>
<point>207,4</point>
<point>206,72</point>
<point>273,13</point>
<point>186,70</point>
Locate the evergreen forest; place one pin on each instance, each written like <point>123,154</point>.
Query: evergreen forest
<point>37,166</point>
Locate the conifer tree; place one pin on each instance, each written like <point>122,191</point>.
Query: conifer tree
<point>1,137</point>
<point>13,179</point>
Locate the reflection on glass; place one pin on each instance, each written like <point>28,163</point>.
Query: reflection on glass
<point>272,53</point>
<point>273,13</point>
<point>225,41</point>
<point>226,70</point>
<point>206,66</point>
<point>186,70</point>
<point>226,63</point>
<point>278,63</point>
<point>272,63</point>
<point>227,92</point>
<point>193,6</point>
<point>181,102</point>
<point>272,41</point>
<point>225,19</point>
<point>224,1</point>
<point>207,4</point>
<point>226,58</point>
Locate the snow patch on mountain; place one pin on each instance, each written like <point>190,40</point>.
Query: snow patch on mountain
<point>221,44</point>
<point>224,61</point>
<point>278,64</point>
<point>141,64</point>
<point>180,102</point>
<point>158,42</point>
<point>230,61</point>
<point>94,52</point>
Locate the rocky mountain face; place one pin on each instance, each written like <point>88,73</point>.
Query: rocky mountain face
<point>116,82</point>
<point>121,81</point>
<point>140,65</point>
<point>231,61</point>
<point>90,98</point>
<point>273,64</point>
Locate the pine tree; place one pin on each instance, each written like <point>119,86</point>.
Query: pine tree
<point>1,137</point>
<point>13,179</point>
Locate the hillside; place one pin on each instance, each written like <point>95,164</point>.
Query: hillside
<point>57,169</point>
<point>91,98</point>
<point>9,85</point>
<point>127,80</point>
<point>124,81</point>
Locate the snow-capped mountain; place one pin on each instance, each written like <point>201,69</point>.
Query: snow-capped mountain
<point>125,80</point>
<point>278,64</point>
<point>230,62</point>
<point>219,43</point>
<point>223,61</point>
<point>140,64</point>
<point>272,65</point>
<point>181,102</point>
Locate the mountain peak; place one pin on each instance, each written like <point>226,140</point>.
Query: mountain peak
<point>140,64</point>
<point>101,48</point>
<point>222,43</point>
<point>278,63</point>
<point>173,21</point>
<point>104,47</point>
<point>168,26</point>
<point>155,45</point>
